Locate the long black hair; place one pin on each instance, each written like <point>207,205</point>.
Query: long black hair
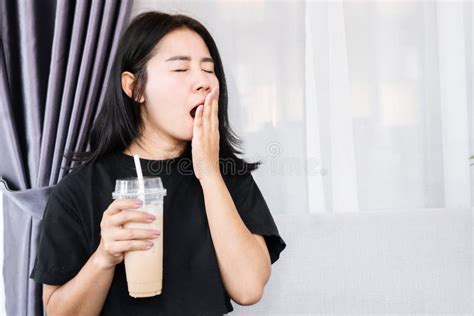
<point>119,122</point>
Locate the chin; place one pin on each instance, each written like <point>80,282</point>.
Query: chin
<point>187,137</point>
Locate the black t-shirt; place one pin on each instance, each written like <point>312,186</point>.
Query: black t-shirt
<point>192,283</point>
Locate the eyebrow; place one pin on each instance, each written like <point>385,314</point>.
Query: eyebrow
<point>187,58</point>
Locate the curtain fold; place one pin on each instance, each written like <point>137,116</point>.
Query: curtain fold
<point>59,60</point>
<point>22,214</point>
<point>55,58</point>
<point>454,103</point>
<point>28,59</point>
<point>12,164</point>
<point>71,87</point>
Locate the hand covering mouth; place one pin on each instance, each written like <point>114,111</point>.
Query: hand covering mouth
<point>193,110</point>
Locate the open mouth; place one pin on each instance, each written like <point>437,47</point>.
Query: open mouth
<point>193,111</point>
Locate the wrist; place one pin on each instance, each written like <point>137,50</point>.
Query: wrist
<point>100,262</point>
<point>211,179</point>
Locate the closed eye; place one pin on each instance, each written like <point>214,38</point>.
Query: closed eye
<point>183,70</point>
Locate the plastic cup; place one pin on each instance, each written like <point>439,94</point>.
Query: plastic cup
<point>144,268</point>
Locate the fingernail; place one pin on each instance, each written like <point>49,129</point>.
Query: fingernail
<point>139,202</point>
<point>156,233</point>
<point>151,216</point>
<point>150,244</point>
<point>200,107</point>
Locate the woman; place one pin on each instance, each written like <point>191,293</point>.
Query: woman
<point>167,102</point>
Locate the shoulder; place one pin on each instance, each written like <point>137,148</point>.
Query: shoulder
<point>82,180</point>
<point>76,178</point>
<point>72,185</point>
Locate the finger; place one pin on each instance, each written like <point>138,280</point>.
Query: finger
<point>133,234</point>
<point>121,246</point>
<point>118,205</point>
<point>197,121</point>
<point>130,216</point>
<point>215,114</point>
<point>206,116</point>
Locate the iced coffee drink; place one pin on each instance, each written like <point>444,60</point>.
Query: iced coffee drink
<point>144,268</point>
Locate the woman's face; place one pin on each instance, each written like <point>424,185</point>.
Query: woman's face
<point>179,76</point>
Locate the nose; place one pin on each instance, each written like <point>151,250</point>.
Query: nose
<point>202,83</point>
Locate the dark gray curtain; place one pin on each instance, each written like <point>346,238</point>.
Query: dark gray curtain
<point>55,57</point>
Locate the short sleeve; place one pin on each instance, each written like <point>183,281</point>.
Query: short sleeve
<point>62,247</point>
<point>255,213</point>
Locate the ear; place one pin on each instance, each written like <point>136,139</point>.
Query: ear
<point>127,81</point>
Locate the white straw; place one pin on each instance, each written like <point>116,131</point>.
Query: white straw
<point>138,167</point>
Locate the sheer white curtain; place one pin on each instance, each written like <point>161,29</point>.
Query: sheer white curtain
<point>352,106</point>
<point>392,87</point>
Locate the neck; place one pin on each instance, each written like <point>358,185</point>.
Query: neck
<point>156,147</point>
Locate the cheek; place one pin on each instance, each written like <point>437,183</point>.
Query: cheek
<point>157,94</point>
<point>162,102</point>
<point>160,105</point>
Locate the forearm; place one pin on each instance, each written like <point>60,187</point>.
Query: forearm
<point>243,264</point>
<point>85,293</point>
